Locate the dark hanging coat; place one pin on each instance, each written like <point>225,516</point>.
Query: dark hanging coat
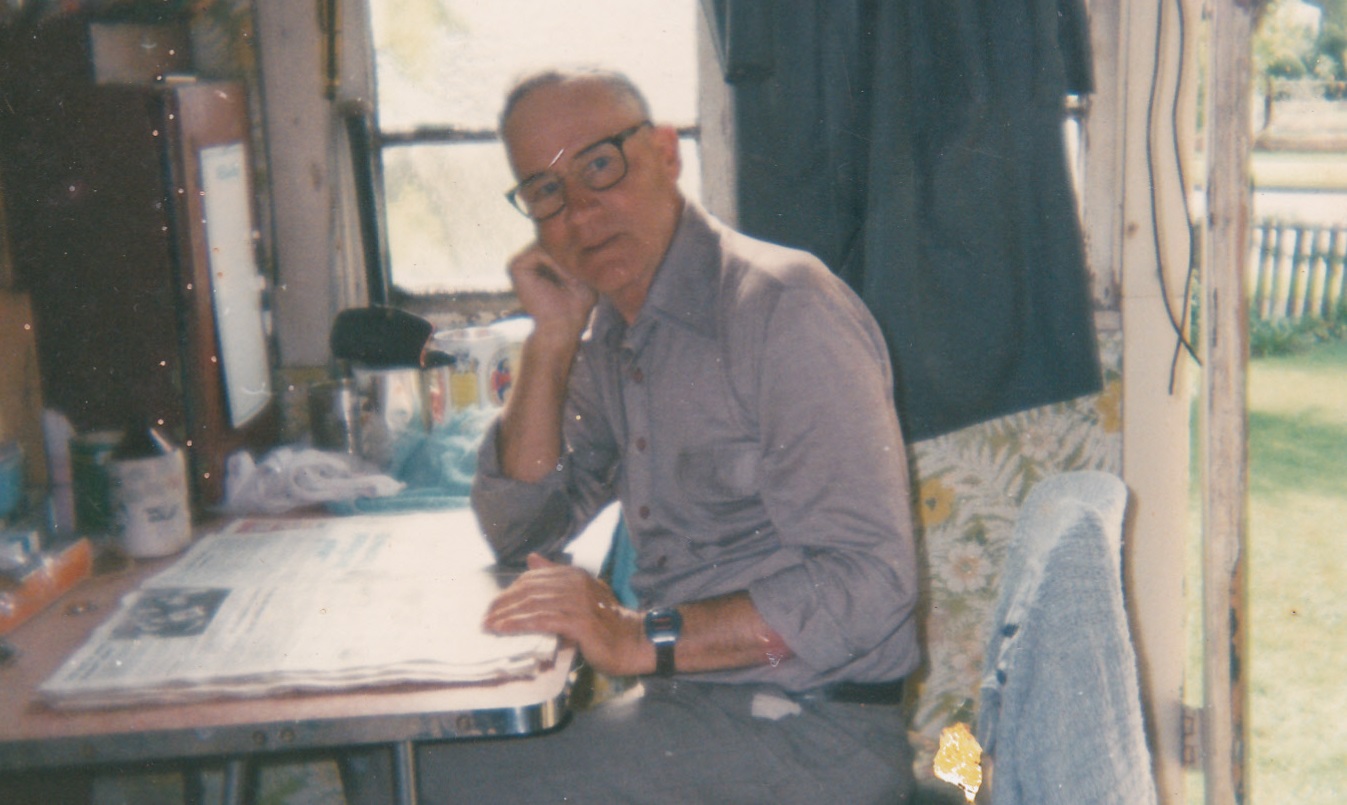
<point>917,148</point>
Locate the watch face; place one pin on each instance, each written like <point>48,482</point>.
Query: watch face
<point>663,625</point>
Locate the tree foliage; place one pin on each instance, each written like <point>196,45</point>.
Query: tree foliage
<point>1302,39</point>
<point>1331,44</point>
<point>1286,40</point>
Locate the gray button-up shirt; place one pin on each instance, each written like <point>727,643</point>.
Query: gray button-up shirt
<point>746,422</point>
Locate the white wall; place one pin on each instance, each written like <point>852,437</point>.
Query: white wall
<point>305,176</point>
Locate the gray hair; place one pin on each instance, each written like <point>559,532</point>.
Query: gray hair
<point>618,83</point>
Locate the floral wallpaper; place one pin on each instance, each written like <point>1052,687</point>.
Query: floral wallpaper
<point>968,487</point>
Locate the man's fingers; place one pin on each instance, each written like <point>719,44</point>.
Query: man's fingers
<point>537,561</point>
<point>542,622</point>
<point>548,597</point>
<point>532,594</point>
<point>547,292</point>
<point>533,261</point>
<point>538,613</point>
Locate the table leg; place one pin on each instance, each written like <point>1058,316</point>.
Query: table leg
<point>238,788</point>
<point>239,784</point>
<point>194,785</point>
<point>404,773</point>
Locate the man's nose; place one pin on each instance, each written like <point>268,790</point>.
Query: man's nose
<point>580,198</point>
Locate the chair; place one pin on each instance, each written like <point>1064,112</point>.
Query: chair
<point>1060,711</point>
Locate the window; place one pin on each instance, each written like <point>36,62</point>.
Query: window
<point>442,68</point>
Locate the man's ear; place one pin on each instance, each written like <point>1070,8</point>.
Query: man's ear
<point>666,144</point>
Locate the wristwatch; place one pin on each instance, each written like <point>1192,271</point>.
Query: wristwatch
<point>662,627</point>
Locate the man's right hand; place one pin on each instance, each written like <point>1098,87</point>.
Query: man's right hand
<point>559,303</point>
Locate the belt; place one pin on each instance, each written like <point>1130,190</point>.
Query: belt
<point>887,693</point>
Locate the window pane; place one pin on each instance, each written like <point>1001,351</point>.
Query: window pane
<point>449,62</point>
<point>449,226</point>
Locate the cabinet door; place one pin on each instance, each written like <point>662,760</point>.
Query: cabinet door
<point>90,240</point>
<point>227,365</point>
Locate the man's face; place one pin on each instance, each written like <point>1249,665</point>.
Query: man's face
<point>614,239</point>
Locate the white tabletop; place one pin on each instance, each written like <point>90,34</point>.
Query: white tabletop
<point>33,735</point>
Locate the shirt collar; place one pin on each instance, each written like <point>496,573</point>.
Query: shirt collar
<point>686,282</point>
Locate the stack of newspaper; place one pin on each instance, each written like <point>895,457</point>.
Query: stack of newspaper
<point>272,606</point>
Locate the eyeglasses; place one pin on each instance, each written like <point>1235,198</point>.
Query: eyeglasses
<point>601,166</point>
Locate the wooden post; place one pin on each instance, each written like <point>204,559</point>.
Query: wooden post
<point>1224,439</point>
<point>1267,236</point>
<point>1300,257</point>
<point>1317,282</point>
<point>1335,294</point>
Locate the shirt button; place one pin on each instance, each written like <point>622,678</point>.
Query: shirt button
<point>661,562</point>
<point>637,375</point>
<point>644,511</point>
<point>640,444</point>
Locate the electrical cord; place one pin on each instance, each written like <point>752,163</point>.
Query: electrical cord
<point>1178,321</point>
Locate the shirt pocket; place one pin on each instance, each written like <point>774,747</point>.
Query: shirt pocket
<point>719,474</point>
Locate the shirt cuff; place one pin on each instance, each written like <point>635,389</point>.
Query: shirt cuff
<point>814,637</point>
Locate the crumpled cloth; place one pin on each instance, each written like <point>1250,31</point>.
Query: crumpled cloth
<point>289,478</point>
<point>438,467</point>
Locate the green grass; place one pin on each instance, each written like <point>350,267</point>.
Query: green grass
<point>1297,579</point>
<point>1298,576</point>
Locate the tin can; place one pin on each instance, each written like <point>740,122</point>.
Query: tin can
<point>90,454</point>
<point>151,514</point>
<point>474,349</point>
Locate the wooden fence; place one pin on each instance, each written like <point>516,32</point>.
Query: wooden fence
<point>1296,271</point>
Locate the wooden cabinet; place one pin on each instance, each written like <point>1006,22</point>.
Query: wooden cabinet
<point>110,233</point>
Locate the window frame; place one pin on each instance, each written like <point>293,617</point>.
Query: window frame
<point>375,141</point>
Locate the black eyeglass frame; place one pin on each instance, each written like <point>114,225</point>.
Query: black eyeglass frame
<point>618,140</point>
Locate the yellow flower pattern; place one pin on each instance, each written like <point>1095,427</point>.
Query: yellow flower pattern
<point>1109,404</point>
<point>935,502</point>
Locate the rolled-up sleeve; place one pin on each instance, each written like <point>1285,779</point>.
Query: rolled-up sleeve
<point>835,485</point>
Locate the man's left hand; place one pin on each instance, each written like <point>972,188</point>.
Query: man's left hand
<point>569,602</point>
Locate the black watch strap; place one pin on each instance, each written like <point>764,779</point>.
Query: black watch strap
<point>662,627</point>
<point>664,659</point>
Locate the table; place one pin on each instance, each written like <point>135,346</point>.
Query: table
<point>34,737</point>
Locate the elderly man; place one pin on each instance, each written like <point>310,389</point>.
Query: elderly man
<point>734,396</point>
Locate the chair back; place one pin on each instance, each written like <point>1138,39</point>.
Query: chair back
<point>1060,710</point>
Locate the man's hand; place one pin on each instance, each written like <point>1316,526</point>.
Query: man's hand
<point>557,301</point>
<point>718,633</point>
<point>569,602</point>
